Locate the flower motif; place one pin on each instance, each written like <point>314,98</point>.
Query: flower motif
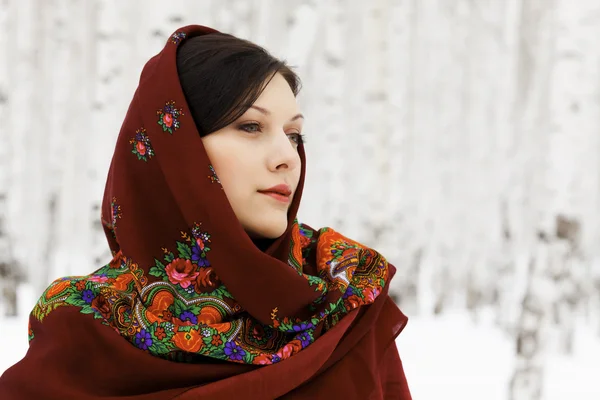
<point>275,358</point>
<point>116,212</point>
<point>177,37</point>
<point>305,339</point>
<point>98,278</point>
<point>207,280</point>
<point>167,315</point>
<point>188,341</point>
<point>181,271</point>
<point>213,176</point>
<point>200,247</point>
<point>302,327</point>
<point>206,332</point>
<point>348,292</point>
<point>160,333</point>
<point>370,294</point>
<point>354,301</point>
<point>100,304</point>
<point>143,339</point>
<point>262,359</point>
<point>188,316</point>
<point>290,349</point>
<point>168,117</point>
<point>209,315</point>
<point>216,340</point>
<point>80,285</point>
<point>234,352</point>
<point>87,296</point>
<point>141,145</point>
<point>199,255</point>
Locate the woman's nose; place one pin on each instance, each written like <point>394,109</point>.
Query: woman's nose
<point>285,153</point>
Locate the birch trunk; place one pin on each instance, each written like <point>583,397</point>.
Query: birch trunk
<point>9,271</point>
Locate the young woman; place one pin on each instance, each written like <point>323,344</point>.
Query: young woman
<point>215,290</point>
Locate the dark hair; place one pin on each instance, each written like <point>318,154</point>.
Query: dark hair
<point>222,76</point>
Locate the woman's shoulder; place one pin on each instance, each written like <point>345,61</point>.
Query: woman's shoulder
<point>83,292</point>
<point>330,235</point>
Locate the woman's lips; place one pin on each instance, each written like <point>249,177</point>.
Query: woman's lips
<point>278,196</point>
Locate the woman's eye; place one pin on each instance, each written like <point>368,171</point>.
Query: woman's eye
<point>297,138</point>
<point>251,127</point>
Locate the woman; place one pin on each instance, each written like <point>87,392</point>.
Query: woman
<point>214,290</point>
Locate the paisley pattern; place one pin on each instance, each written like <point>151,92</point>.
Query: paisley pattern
<point>183,310</point>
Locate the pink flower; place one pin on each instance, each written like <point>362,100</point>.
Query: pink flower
<point>168,119</point>
<point>290,349</point>
<point>181,272</point>
<point>98,278</point>
<point>141,148</point>
<point>369,294</point>
<point>261,359</point>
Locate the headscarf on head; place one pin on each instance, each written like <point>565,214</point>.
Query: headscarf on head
<point>189,307</point>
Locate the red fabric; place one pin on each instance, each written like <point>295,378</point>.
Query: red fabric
<point>85,329</point>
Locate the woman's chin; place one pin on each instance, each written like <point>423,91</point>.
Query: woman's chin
<point>272,231</point>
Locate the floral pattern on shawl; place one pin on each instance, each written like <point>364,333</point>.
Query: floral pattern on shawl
<point>187,311</point>
<point>168,117</point>
<point>141,145</point>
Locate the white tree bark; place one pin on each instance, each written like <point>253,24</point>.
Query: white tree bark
<point>8,267</point>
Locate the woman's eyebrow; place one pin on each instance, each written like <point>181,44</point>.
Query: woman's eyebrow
<point>267,112</point>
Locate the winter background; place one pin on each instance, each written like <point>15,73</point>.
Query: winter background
<point>460,138</point>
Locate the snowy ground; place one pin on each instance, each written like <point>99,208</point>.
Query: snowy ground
<point>447,357</point>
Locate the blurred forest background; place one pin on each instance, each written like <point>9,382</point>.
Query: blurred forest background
<point>460,138</point>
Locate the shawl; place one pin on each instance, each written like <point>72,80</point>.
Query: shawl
<point>189,306</point>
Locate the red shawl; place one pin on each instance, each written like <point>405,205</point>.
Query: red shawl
<point>189,307</point>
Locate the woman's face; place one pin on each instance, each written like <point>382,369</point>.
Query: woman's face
<point>257,152</point>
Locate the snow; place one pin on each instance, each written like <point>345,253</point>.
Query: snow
<point>448,356</point>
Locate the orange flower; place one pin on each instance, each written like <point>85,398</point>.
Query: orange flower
<point>224,327</point>
<point>80,285</point>
<point>209,315</point>
<point>102,306</point>
<point>189,341</point>
<point>160,333</point>
<point>157,311</point>
<point>216,340</point>
<point>167,316</point>
<point>206,280</point>
<point>354,301</point>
